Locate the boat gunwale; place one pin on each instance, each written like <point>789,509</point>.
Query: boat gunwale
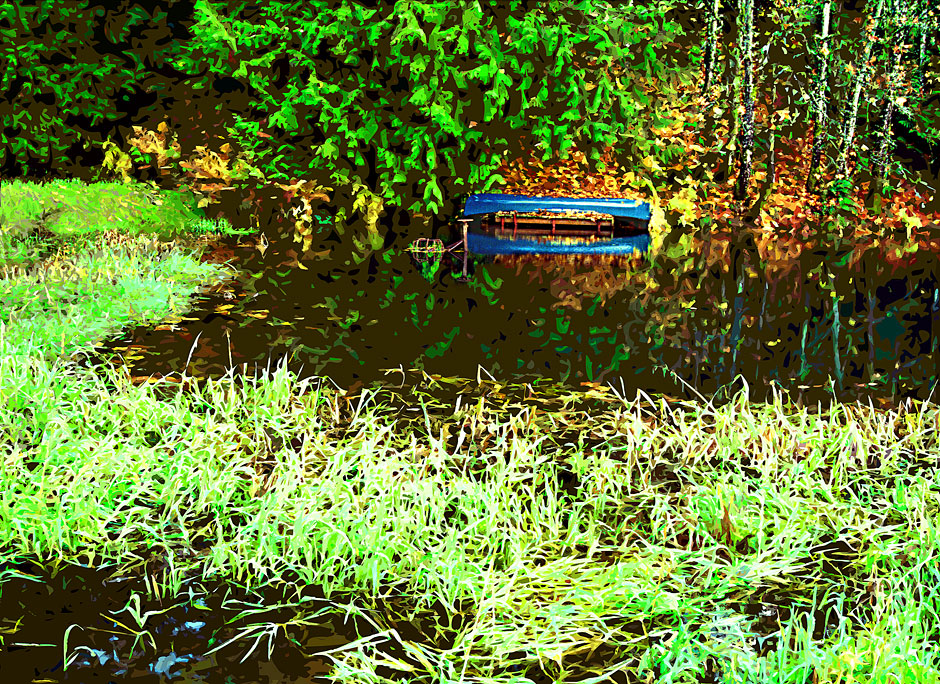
<point>617,207</point>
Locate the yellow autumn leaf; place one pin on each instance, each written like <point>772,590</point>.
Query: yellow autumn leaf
<point>651,163</point>
<point>684,203</point>
<point>909,219</point>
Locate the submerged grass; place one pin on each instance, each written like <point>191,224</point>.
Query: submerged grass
<point>644,540</point>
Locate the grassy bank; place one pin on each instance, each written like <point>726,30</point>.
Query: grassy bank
<point>644,541</point>
<point>81,262</point>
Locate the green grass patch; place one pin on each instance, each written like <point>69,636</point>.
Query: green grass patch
<point>79,263</point>
<point>69,210</point>
<point>664,535</point>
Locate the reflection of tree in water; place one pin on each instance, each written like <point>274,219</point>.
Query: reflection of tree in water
<point>797,314</point>
<point>776,312</point>
<point>578,278</point>
<point>772,314</point>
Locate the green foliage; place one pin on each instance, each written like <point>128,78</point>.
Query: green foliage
<point>68,69</point>
<point>429,269</point>
<point>842,189</point>
<point>429,95</point>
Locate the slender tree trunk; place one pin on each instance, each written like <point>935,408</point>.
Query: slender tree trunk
<point>919,76</point>
<point>861,80</point>
<point>746,31</point>
<point>804,366</point>
<point>735,123</point>
<point>819,114</point>
<point>871,334</point>
<point>721,360</point>
<point>935,330</point>
<point>711,46</point>
<point>893,74</point>
<point>926,26</point>
<point>881,158</point>
<point>772,134</point>
<point>763,305</point>
<point>736,322</point>
<point>836,331</point>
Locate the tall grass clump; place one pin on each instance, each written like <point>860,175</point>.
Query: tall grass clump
<point>662,534</point>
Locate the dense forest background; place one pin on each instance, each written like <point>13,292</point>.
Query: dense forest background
<point>418,103</point>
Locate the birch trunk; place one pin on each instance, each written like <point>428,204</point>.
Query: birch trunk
<point>920,62</point>
<point>711,47</point>
<point>772,133</point>
<point>734,85</point>
<point>884,145</point>
<point>923,28</point>
<point>861,79</point>
<point>819,115</point>
<point>747,122</point>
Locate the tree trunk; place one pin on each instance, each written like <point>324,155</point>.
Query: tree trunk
<point>746,26</point>
<point>881,160</point>
<point>736,322</point>
<point>711,46</point>
<point>884,145</point>
<point>919,77</point>
<point>871,334</point>
<point>927,26</point>
<point>819,114</point>
<point>836,330</point>
<point>935,329</point>
<point>861,79</point>
<point>772,134</point>
<point>734,85</point>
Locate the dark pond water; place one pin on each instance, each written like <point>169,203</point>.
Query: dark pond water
<point>40,606</point>
<point>354,313</point>
<point>72,624</point>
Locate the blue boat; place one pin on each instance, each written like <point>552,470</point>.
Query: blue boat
<point>492,203</point>
<point>522,224</point>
